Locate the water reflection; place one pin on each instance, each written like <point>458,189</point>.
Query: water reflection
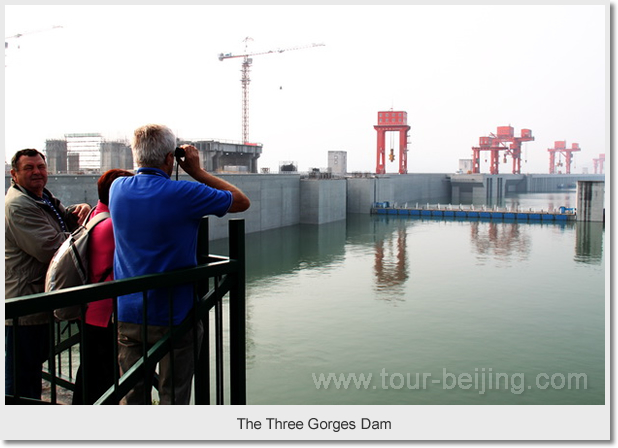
<point>499,239</point>
<point>287,249</point>
<point>384,238</point>
<point>322,245</point>
<point>357,295</point>
<point>391,264</point>
<point>589,242</point>
<point>273,255</point>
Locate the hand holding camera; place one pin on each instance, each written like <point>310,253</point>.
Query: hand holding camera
<point>179,153</point>
<point>188,158</point>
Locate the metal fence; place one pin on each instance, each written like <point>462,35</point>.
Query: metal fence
<point>219,284</point>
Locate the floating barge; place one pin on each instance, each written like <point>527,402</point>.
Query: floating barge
<point>450,211</point>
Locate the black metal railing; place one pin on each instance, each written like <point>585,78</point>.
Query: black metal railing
<point>215,279</point>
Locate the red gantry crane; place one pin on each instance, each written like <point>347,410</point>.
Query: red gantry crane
<point>599,164</point>
<point>246,67</point>
<point>561,149</point>
<point>496,143</point>
<point>392,121</point>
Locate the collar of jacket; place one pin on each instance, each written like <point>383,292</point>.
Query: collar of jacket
<point>46,192</point>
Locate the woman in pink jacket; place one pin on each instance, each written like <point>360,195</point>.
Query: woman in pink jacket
<point>99,337</point>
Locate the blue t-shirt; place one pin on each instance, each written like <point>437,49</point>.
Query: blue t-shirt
<point>156,221</point>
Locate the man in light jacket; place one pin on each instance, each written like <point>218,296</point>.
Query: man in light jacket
<point>36,224</point>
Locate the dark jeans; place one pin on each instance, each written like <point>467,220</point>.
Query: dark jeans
<point>130,350</point>
<point>98,364</point>
<point>32,351</point>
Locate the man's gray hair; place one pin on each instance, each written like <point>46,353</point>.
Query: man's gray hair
<point>151,144</point>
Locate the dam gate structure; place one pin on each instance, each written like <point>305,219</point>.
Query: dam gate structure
<point>392,121</point>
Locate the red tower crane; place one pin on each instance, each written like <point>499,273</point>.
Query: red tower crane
<point>496,143</point>
<point>599,164</point>
<point>396,121</point>
<point>246,67</point>
<point>561,149</point>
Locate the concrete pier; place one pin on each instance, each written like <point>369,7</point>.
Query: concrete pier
<point>322,201</point>
<point>590,200</point>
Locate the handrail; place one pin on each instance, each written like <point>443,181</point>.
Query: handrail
<point>227,274</point>
<point>46,301</point>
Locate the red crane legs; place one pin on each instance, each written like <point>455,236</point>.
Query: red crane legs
<point>392,121</point>
<point>599,164</point>
<point>495,143</point>
<point>560,147</point>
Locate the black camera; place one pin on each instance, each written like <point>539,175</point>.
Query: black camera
<point>179,152</point>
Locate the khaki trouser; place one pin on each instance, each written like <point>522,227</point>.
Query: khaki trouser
<point>130,350</point>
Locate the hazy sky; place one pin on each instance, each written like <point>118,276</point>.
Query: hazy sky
<point>460,71</point>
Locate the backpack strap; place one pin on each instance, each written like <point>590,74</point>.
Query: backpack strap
<point>89,226</point>
<point>97,219</point>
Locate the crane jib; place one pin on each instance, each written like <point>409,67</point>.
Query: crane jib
<point>245,78</point>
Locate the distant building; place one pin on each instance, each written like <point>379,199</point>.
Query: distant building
<point>56,155</point>
<point>116,155</point>
<point>219,157</point>
<point>91,153</point>
<point>288,167</point>
<point>465,166</point>
<point>73,163</point>
<point>88,146</point>
<point>86,153</point>
<point>338,162</point>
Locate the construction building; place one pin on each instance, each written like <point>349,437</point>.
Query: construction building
<point>116,155</point>
<point>56,156</point>
<point>91,153</point>
<point>227,157</point>
<point>88,146</point>
<point>86,153</point>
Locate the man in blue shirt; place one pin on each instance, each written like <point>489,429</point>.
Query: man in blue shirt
<point>156,222</point>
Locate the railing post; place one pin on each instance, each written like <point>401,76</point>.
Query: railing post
<point>202,360</point>
<point>203,251</point>
<point>52,358</point>
<point>238,362</point>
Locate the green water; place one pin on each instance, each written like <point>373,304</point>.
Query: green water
<point>433,310</point>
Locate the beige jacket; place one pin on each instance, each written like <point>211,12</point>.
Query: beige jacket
<point>32,236</point>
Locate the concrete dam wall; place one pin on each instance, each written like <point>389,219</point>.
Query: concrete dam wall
<point>274,198</point>
<point>397,189</point>
<point>280,200</point>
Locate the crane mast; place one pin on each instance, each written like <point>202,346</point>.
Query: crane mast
<point>245,78</point>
